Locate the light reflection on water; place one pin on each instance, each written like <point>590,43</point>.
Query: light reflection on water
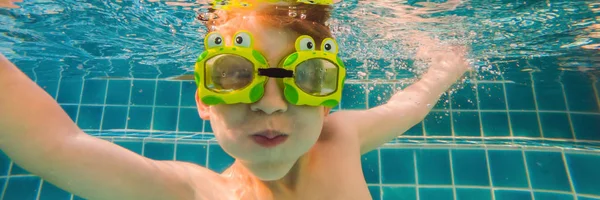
<point>149,39</point>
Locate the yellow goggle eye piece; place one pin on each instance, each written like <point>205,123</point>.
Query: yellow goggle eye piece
<point>214,40</point>
<point>317,77</point>
<point>228,72</point>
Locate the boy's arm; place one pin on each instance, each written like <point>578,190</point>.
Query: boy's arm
<point>40,137</point>
<point>410,106</point>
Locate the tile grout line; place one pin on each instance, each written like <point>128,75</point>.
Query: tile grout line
<point>39,190</point>
<point>479,110</point>
<point>207,153</point>
<point>154,105</point>
<point>510,128</point>
<point>527,173</point>
<point>596,90</point>
<point>537,109</point>
<point>416,174</point>
<point>104,107</point>
<point>489,169</point>
<point>452,174</point>
<point>567,169</point>
<point>380,174</point>
<point>80,99</point>
<point>179,108</point>
<point>10,166</point>
<point>562,87</point>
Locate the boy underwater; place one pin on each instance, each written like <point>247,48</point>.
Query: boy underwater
<point>266,81</point>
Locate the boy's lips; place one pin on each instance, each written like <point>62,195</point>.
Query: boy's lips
<point>269,138</point>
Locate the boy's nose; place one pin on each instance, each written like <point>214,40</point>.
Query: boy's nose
<point>272,101</point>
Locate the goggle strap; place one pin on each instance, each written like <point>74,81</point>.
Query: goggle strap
<point>276,73</point>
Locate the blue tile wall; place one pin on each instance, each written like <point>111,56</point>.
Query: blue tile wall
<point>536,109</point>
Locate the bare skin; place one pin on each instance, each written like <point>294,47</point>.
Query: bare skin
<point>320,159</point>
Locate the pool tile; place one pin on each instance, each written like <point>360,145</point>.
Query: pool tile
<point>207,127</point>
<point>549,95</point>
<point>117,119</point>
<point>90,117</point>
<point>354,96</point>
<point>443,103</point>
<point>398,193</point>
<point>159,150</point>
<point>370,166</point>
<point>380,93</point>
<point>4,164</point>
<point>473,194</point>
<point>22,188</point>
<point>586,126</point>
<point>470,167</point>
<point>189,120</point>
<point>547,171</point>
<point>437,124</point>
<point>556,125</point>
<point>397,166</point>
<point>218,160</point>
<point>118,92</point>
<point>50,86</point>
<point>168,93</point>
<point>433,166</point>
<point>507,168</point>
<point>465,98</point>
<point>520,96</point>
<point>94,91</point>
<point>188,90</point>
<point>18,170</point>
<point>495,124</point>
<point>134,146</point>
<point>524,124</point>
<point>579,92</point>
<point>436,194</point>
<point>139,118</point>
<point>51,192</point>
<point>466,124</point>
<point>552,196</point>
<point>375,192</point>
<point>512,195</point>
<point>69,91</point>
<point>194,153</point>
<point>71,110</point>
<point>416,130</point>
<point>491,96</point>
<point>142,92</point>
<point>584,173</point>
<point>165,119</point>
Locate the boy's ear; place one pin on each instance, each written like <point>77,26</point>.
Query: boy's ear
<point>203,109</point>
<point>327,110</point>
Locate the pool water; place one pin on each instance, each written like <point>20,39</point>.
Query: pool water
<point>525,125</point>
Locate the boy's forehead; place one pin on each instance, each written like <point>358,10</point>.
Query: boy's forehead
<point>274,43</point>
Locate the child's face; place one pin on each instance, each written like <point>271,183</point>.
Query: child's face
<point>238,127</point>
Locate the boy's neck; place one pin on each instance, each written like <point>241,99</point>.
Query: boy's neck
<point>240,175</point>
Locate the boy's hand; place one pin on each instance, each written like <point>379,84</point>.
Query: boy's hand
<point>442,58</point>
<point>9,3</point>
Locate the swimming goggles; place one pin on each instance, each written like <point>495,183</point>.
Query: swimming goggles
<point>238,73</point>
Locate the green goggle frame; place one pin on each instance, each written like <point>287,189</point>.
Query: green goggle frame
<point>307,76</point>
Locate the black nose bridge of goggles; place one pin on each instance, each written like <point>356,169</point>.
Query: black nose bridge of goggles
<point>276,73</point>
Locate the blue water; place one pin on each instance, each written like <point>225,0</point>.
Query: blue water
<point>524,126</point>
